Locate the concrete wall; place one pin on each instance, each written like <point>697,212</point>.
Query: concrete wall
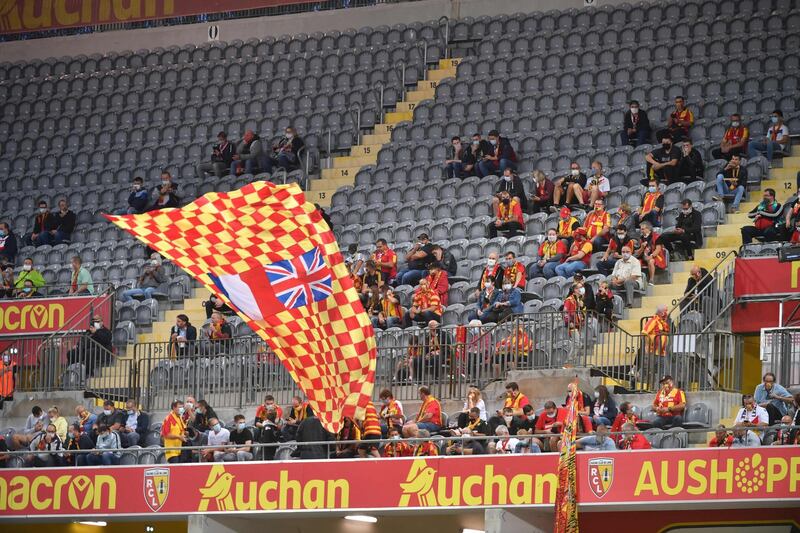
<point>387,14</point>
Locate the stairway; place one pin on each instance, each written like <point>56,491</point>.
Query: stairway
<point>343,169</point>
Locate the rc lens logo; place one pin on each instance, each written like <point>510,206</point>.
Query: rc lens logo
<point>156,487</point>
<point>601,475</point>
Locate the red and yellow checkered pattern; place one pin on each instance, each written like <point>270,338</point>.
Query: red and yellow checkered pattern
<point>328,346</point>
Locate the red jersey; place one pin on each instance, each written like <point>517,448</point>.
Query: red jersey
<point>261,412</point>
<point>545,422</point>
<point>387,256</point>
<point>441,284</point>
<point>518,402</point>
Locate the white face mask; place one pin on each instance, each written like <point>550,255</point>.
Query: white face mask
<point>652,189</point>
<point>506,286</point>
<point>491,262</point>
<point>189,405</point>
<point>27,267</point>
<point>634,110</point>
<point>506,178</point>
<point>493,142</point>
<point>508,419</point>
<point>476,143</point>
<point>241,426</point>
<point>582,291</point>
<point>735,123</point>
<point>774,120</point>
<point>596,394</point>
<point>154,262</point>
<point>552,238</point>
<point>97,325</point>
<point>107,412</point>
<point>51,434</point>
<point>181,410</point>
<point>575,172</point>
<point>43,210</point>
<point>217,427</point>
<point>626,255</point>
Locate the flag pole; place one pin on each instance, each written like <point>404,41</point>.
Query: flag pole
<point>566,506</point>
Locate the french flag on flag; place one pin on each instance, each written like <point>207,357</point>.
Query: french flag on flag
<point>286,284</point>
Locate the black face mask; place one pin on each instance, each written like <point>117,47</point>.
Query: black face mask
<point>506,200</point>
<point>667,146</point>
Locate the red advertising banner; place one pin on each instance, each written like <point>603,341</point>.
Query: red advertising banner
<point>41,15</point>
<point>761,276</point>
<point>768,476</point>
<point>47,315</point>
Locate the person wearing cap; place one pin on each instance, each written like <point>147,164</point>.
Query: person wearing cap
<point>417,260</point>
<point>579,255</point>
<point>438,281</point>
<point>508,216</point>
<point>500,158</point>
<point>221,157</point>
<point>151,277</point>
<point>669,404</point>
<point>567,224</point>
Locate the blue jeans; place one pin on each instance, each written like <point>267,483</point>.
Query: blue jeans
<point>756,148</point>
<point>147,292</point>
<point>454,170</point>
<point>287,160</point>
<point>250,165</point>
<point>547,271</point>
<point>601,420</point>
<point>409,277</point>
<point>724,190</point>
<point>433,428</point>
<point>569,269</point>
<point>391,322</point>
<point>487,168</point>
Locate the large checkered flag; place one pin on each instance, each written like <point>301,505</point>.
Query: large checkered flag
<point>267,253</point>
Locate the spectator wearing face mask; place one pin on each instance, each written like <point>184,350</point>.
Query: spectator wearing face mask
<point>604,301</point>
<point>8,243</point>
<point>734,141</point>
<point>662,163</point>
<point>633,439</point>
<point>29,274</point>
<point>85,418</point>
<point>386,260</point>
<point>541,198</point>
<point>627,275</point>
<point>417,259</point>
<point>598,226</point>
<point>138,199</point>
<point>731,182</point>
<point>390,313</point>
<point>651,251</point>
<point>564,191</point>
<point>221,157</point>
<point>603,408</point>
<point>492,274</point>
<point>508,216</point>
<point>597,186</point>
<point>511,183</point>
<point>46,441</point>
<point>250,155</point>
<point>243,439</point>
<point>286,154</point>
<point>41,225</point>
<point>578,257</point>
<point>107,442</point>
<point>688,230</point>
<point>7,368</point>
<point>551,252</point>
<point>613,253</point>
<point>764,217</point>
<point>776,140</point>
<point>575,309</point>
<point>438,281</point>
<point>151,277</point>
<point>166,194</point>
<point>599,442</point>
<point>218,438</point>
<point>690,167</point>
<point>652,206</point>
<point>513,271</point>
<point>486,298</point>
<point>425,305</point>
<point>500,158</point>
<point>454,159</point>
<point>111,417</point>
<point>27,290</point>
<point>478,147</point>
<point>506,302</point>
<point>635,126</point>
<point>567,224</point>
<point>129,432</point>
<point>173,432</point>
<point>61,226</point>
<point>78,440</point>
<point>680,121</point>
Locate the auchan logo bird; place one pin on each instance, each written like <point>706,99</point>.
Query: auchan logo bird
<point>218,489</point>
<point>419,483</point>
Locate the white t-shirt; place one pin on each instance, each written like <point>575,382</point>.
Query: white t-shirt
<point>603,185</point>
<point>480,405</point>
<point>758,416</point>
<point>783,132</point>
<point>218,439</point>
<point>506,445</point>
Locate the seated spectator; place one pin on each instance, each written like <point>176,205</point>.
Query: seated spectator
<point>652,206</point>
<point>505,444</point>
<point>166,194</point>
<point>508,216</point>
<point>751,415</point>
<point>182,338</point>
<point>501,157</point>
<point>311,430</point>
<point>635,126</point>
<point>579,255</point>
<point>62,225</point>
<point>46,441</point>
<point>40,227</point>
<point>269,432</point>
<point>386,260</point>
<point>214,304</point>
<point>679,122</point>
<point>656,331</point>
<point>34,424</point>
<point>397,447</point>
<point>218,438</point>
<point>8,243</point>
<point>111,417</point>
<point>510,349</point>
<point>735,140</point>
<point>690,166</point>
<point>425,305</point>
<point>446,259</point>
<point>764,215</point>
<point>390,313</point>
<point>603,408</point>
<point>776,140</point>
<point>286,154</point>
<point>541,198</point>
<point>266,406</point>
<point>220,329</point>
<point>466,446</point>
<point>94,349</point>
<point>369,279</point>
<point>454,159</point>
<point>138,199</point>
<point>599,442</point>
<point>786,436</point>
<point>662,163</point>
<point>472,424</point>
<point>477,149</point>
<point>567,224</point>
<point>370,432</point>
<point>86,418</point>
<point>391,412</point>
<point>625,415</point>
<point>299,411</point>
<point>513,271</point>
<point>511,183</point>
<point>243,439</point>
<point>202,414</point>
<point>619,240</point>
<point>688,230</point>
<point>744,438</point>
<point>81,281</point>
<point>7,289</point>
<point>791,208</point>
<point>633,439</point>
<point>27,290</point>
<point>107,446</point>
<point>371,300</point>
<point>60,423</point>
<point>597,186</point>
<point>221,158</point>
<point>574,310</point>
<point>598,226</point>
<point>721,439</point>
<point>417,260</point>
<point>564,192</point>
<point>438,281</point>
<point>549,425</point>
<point>429,416</point>
<point>604,301</point>
<point>426,448</point>
<point>251,155</point>
<point>473,400</point>
<point>149,280</point>
<point>551,252</point>
<point>349,432</point>
<point>505,302</point>
<point>669,405</point>
<point>79,439</point>
<point>651,251</point>
<point>625,218</point>
<point>773,397</point>
<point>486,298</point>
<point>731,181</point>
<point>29,274</point>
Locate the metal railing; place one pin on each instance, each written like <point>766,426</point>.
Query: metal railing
<point>780,354</point>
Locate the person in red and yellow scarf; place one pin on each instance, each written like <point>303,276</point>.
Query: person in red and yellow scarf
<point>679,122</point>
<point>391,312</point>
<point>492,273</point>
<point>425,305</point>
<point>267,406</point>
<point>669,404</point>
<point>514,271</point>
<point>349,431</point>
<point>370,430</point>
<point>551,252</point>
<point>598,225</point>
<point>567,224</point>
<point>397,448</point>
<point>386,260</point>
<point>391,411</point>
<point>514,399</point>
<point>578,257</point>
<point>299,411</point>
<point>508,216</point>
<point>735,140</point>
<point>438,281</point>
<point>429,416</point>
<point>652,205</point>
<point>173,431</point>
<point>574,309</point>
<point>651,251</point>
<point>655,331</point>
<point>512,348</point>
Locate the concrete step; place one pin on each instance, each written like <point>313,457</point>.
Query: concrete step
<point>715,254</point>
<point>441,74</point>
<point>365,149</point>
<point>418,96</point>
<point>727,241</point>
<point>449,62</point>
<point>330,183</point>
<point>376,138</point>
<point>355,161</point>
<point>341,172</point>
<point>406,106</point>
<point>395,117</point>
<point>783,174</point>
<point>425,85</point>
<point>321,197</point>
<point>384,129</point>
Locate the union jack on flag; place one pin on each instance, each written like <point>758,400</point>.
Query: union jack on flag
<point>301,280</point>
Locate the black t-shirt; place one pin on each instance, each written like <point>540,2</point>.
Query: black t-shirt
<point>664,156</point>
<point>117,417</point>
<point>422,264</point>
<point>241,437</point>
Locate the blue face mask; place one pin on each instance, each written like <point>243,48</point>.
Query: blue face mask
<point>651,189</point>
<point>26,289</point>
<point>494,143</point>
<point>2,233</point>
<point>240,426</point>
<point>774,120</point>
<point>217,427</point>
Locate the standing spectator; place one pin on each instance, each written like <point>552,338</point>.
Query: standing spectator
<point>597,186</point>
<point>218,437</point>
<point>627,275</point>
<point>438,282</point>
<point>446,259</point>
<point>369,282</point>
<point>567,224</point>
<point>454,159</point>
<point>511,183</point>
<point>598,226</point>
<point>564,191</point>
<point>744,438</point>
<point>603,408</point>
<point>81,281</point>
<point>751,415</point>
<point>503,304</point>
<point>734,142</point>
<point>635,126</point>
<point>221,157</point>
<point>8,243</point>
<point>652,205</point>
<point>371,431</point>
<point>773,397</point>
<point>690,166</point>
<point>182,337</point>
<point>575,310</point>
<point>151,277</point>
<point>477,149</point>
<point>243,439</point>
<point>662,163</point>
<point>93,348</point>
<point>604,301</point>
<point>430,412</point>
<point>513,271</point>
<point>108,446</point>
<point>218,305</point>
<point>669,404</point>
<point>578,257</point>
<point>30,274</point>
<point>40,227</point>
<point>776,140</point>
<point>138,199</point>
<point>764,216</point>
<point>613,253</point>
<point>425,305</point>
<point>688,230</point>
<point>722,439</point>
<point>166,194</point>
<point>508,216</point>
<point>651,251</point>
<point>731,181</point>
<point>500,158</point>
<point>250,155</point>
<point>311,430</point>
<point>173,432</point>
<point>287,151</point>
<point>633,439</point>
<point>417,260</point>
<point>792,216</point>
<point>542,196</point>
<point>269,433</point>
<point>551,252</point>
<point>385,259</point>
<point>679,122</point>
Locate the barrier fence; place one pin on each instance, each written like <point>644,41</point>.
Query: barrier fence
<point>780,354</point>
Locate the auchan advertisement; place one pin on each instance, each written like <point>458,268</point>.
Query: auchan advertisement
<point>764,476</point>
